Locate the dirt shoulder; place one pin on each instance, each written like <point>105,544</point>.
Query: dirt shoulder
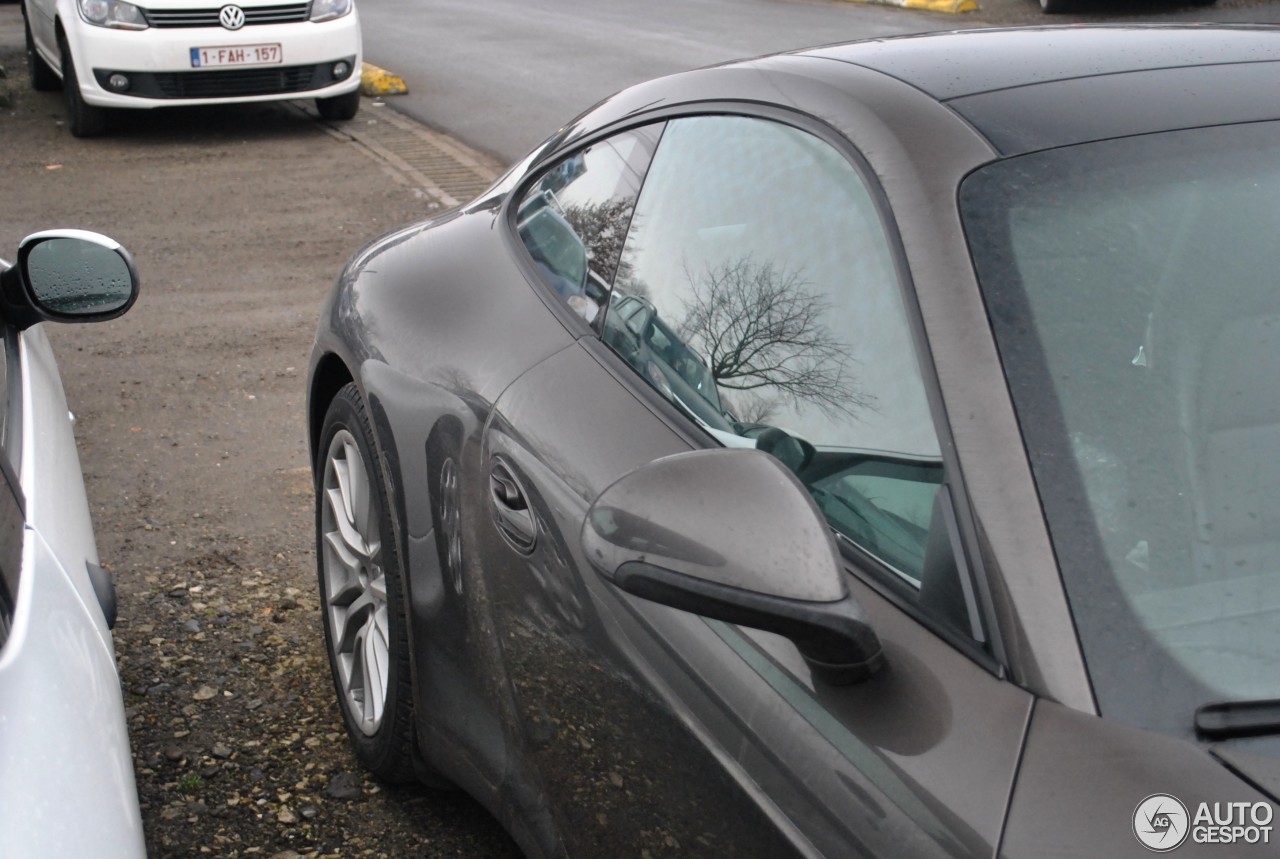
<point>190,420</point>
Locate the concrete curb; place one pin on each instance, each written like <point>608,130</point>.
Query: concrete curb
<point>444,170</point>
<point>950,6</point>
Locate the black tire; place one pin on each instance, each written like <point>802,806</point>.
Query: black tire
<point>339,108</point>
<point>43,77</point>
<point>349,580</point>
<point>1056,7</point>
<point>84,119</point>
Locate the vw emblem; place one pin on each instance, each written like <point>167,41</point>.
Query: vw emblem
<point>231,17</point>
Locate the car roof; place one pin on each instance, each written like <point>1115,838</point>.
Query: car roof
<point>968,62</point>
<point>1035,88</point>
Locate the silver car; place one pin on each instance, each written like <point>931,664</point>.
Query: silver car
<point>66,775</point>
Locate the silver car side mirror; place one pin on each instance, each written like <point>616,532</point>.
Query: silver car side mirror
<point>68,276</point>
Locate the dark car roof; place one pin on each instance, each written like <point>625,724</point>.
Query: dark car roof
<point>1034,88</point>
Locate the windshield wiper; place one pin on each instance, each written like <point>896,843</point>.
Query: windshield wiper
<point>1238,719</point>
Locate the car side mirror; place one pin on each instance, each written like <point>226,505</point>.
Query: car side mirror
<point>643,320</point>
<point>792,451</point>
<point>731,534</point>
<point>68,276</point>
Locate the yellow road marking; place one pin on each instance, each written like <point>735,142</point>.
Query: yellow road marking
<point>928,5</point>
<point>376,81</point>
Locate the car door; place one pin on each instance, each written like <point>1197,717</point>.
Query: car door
<point>774,316</point>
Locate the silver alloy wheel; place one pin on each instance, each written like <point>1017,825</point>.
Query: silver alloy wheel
<point>355,587</point>
<point>451,522</point>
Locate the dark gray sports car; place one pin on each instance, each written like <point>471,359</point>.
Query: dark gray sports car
<point>865,451</point>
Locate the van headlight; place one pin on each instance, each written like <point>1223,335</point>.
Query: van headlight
<point>116,14</point>
<point>327,10</point>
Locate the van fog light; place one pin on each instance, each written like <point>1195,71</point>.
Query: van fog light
<point>118,82</point>
<point>341,69</point>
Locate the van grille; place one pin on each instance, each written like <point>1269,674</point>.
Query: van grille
<point>284,14</point>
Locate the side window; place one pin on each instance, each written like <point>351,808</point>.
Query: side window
<point>756,292</point>
<point>574,218</point>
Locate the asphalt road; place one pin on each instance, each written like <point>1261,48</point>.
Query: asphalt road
<point>503,74</point>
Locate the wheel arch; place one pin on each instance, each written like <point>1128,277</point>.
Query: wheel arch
<point>51,54</point>
<point>330,376</point>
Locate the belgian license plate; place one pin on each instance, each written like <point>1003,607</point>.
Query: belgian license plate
<point>236,55</point>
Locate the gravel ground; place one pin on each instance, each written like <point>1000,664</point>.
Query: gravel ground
<point>239,749</point>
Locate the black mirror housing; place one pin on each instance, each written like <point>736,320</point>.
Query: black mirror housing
<point>835,638</point>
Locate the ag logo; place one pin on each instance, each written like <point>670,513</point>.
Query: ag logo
<point>1160,822</point>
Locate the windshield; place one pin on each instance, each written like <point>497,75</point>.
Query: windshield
<point>1132,287</point>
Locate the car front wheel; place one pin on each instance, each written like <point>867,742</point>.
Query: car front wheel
<point>339,107</point>
<point>362,593</point>
<point>84,119</point>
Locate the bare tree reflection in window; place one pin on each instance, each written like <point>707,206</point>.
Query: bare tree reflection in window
<point>752,407</point>
<point>761,329</point>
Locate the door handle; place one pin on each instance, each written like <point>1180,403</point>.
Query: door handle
<point>511,509</point>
